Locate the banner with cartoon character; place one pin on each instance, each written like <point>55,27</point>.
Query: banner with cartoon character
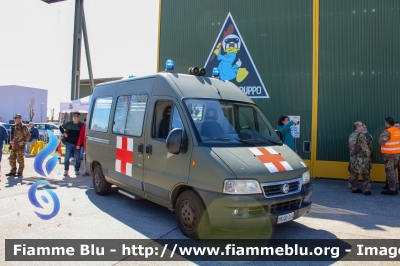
<point>230,55</point>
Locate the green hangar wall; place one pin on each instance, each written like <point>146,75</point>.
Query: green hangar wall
<point>331,62</point>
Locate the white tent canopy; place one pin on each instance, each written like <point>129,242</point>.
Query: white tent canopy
<point>80,105</point>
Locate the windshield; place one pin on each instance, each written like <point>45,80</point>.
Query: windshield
<point>230,122</point>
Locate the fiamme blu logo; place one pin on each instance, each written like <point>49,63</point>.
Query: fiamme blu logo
<point>42,155</point>
<point>49,167</point>
<point>230,55</point>
<point>32,195</point>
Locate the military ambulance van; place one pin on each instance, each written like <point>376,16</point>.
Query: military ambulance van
<point>198,146</point>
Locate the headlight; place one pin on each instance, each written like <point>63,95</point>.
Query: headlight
<point>306,177</point>
<point>241,187</point>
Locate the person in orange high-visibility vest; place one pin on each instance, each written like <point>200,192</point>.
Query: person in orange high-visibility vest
<point>397,124</point>
<point>390,148</point>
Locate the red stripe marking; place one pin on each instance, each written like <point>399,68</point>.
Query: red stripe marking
<point>124,143</point>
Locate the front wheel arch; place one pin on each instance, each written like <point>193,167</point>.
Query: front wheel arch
<point>191,215</point>
<point>100,185</point>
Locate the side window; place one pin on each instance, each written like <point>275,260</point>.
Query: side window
<point>129,114</point>
<point>50,127</point>
<point>101,113</point>
<point>161,120</point>
<point>262,127</point>
<point>246,117</point>
<point>41,126</point>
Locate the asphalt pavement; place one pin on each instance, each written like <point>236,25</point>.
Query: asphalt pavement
<point>336,213</point>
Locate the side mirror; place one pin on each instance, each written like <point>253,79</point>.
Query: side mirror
<point>174,141</point>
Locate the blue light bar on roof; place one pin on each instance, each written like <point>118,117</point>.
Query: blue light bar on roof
<point>215,72</point>
<point>169,65</point>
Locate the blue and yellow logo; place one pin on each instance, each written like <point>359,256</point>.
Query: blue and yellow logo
<point>32,198</point>
<point>38,166</point>
<point>230,55</point>
<point>42,155</point>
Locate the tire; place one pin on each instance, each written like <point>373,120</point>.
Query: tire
<point>101,186</point>
<point>191,215</point>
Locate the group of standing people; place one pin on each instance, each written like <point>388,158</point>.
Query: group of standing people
<point>24,136</point>
<point>361,149</point>
<point>360,146</point>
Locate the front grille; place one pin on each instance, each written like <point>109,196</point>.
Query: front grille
<point>285,206</point>
<point>275,189</point>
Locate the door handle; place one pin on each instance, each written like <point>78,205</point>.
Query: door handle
<point>148,149</point>
<point>140,148</point>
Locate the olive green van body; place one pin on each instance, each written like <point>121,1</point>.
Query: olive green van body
<point>205,166</point>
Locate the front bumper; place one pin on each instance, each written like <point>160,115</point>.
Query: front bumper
<point>239,212</point>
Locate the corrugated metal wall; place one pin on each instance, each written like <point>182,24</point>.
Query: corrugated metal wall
<point>359,59</point>
<point>277,34</point>
<point>359,71</point>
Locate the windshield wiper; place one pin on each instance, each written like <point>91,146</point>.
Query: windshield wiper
<point>273,141</point>
<point>219,138</point>
<point>240,140</point>
<point>245,141</point>
<point>263,140</point>
<point>251,142</point>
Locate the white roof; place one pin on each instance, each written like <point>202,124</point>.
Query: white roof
<point>80,105</point>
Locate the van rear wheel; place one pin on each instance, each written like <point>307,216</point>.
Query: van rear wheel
<point>191,215</point>
<point>101,186</point>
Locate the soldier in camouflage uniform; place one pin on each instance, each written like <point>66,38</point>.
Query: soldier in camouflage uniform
<point>360,147</point>
<point>390,148</point>
<point>21,136</point>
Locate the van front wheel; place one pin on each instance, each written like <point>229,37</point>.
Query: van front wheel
<point>101,186</point>
<point>191,215</point>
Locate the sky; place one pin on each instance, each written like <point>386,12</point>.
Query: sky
<point>36,42</point>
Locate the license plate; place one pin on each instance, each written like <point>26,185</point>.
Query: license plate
<point>285,218</point>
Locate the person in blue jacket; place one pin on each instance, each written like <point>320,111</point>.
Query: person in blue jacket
<point>34,131</point>
<point>284,125</point>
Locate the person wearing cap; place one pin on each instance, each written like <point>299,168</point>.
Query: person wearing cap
<point>21,137</point>
<point>71,130</point>
<point>390,148</point>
